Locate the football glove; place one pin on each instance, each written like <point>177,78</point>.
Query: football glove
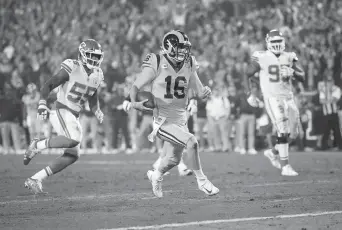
<point>206,92</point>
<point>99,115</point>
<point>286,72</point>
<point>192,107</point>
<point>126,106</point>
<point>43,111</point>
<point>254,101</point>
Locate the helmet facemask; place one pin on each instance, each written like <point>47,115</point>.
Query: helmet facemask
<point>91,58</point>
<point>275,44</point>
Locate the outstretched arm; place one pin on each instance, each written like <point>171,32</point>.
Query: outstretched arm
<point>94,105</point>
<point>252,68</point>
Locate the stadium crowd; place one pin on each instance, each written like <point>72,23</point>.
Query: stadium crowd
<point>38,35</point>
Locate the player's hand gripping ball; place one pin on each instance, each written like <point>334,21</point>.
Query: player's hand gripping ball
<point>144,101</point>
<point>286,73</point>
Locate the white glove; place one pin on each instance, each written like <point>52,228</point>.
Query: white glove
<point>99,115</point>
<point>254,101</point>
<point>286,72</point>
<point>43,111</point>
<point>127,105</point>
<point>192,107</point>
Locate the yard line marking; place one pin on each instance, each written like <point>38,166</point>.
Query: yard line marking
<point>293,183</point>
<point>235,220</point>
<point>129,162</point>
<point>289,199</point>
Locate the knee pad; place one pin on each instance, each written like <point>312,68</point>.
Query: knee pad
<point>283,138</point>
<point>192,143</point>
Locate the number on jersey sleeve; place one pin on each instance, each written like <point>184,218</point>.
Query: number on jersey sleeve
<point>178,91</point>
<point>80,93</point>
<point>151,62</point>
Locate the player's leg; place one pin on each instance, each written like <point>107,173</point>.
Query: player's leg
<point>68,130</point>
<point>179,136</point>
<point>70,155</point>
<point>278,110</point>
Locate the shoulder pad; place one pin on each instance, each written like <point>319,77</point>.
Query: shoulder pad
<point>194,64</point>
<point>150,61</point>
<point>69,65</point>
<point>256,55</point>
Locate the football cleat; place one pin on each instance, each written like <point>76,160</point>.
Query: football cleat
<point>34,185</point>
<point>287,170</point>
<point>252,152</point>
<point>31,151</point>
<point>207,187</point>
<point>273,158</point>
<point>156,183</point>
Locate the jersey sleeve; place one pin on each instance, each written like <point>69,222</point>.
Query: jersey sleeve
<point>150,61</point>
<point>68,65</point>
<point>195,65</point>
<point>256,57</point>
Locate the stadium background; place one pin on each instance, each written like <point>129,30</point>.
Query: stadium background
<point>36,36</point>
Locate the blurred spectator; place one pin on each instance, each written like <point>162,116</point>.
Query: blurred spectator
<point>247,122</point>
<point>30,100</point>
<point>218,111</point>
<point>329,95</point>
<point>201,123</point>
<point>233,117</point>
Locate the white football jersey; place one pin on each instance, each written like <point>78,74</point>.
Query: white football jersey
<point>271,83</point>
<point>80,87</point>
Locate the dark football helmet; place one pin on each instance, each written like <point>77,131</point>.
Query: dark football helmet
<point>91,53</point>
<point>176,45</point>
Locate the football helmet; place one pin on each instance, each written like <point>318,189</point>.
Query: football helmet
<point>176,45</point>
<point>275,42</point>
<point>91,53</point>
<point>31,88</point>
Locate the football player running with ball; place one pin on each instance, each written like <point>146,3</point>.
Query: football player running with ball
<point>77,82</point>
<point>276,69</point>
<point>172,75</point>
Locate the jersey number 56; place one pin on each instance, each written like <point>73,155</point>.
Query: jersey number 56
<point>80,93</point>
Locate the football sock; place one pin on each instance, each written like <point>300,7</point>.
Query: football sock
<point>56,142</point>
<point>199,174</point>
<point>42,174</point>
<point>63,161</point>
<point>157,163</point>
<point>166,164</point>
<point>195,161</point>
<point>275,150</point>
<point>181,166</point>
<point>283,153</point>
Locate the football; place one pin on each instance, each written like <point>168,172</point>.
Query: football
<point>143,95</point>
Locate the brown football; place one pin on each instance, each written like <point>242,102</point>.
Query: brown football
<point>143,95</point>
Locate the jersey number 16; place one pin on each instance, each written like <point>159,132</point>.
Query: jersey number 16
<point>178,91</point>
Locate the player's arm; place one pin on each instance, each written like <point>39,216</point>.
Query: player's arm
<point>60,78</point>
<point>253,66</point>
<point>94,105</point>
<point>298,73</point>
<point>146,76</point>
<point>195,83</point>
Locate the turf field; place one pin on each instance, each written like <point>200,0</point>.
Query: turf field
<point>112,192</point>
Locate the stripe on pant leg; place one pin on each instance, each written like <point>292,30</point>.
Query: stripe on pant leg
<point>170,137</point>
<point>272,114</point>
<point>61,121</point>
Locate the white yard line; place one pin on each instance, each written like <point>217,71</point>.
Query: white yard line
<point>293,183</point>
<point>235,220</point>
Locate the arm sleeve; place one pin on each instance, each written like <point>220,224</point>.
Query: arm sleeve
<point>253,65</point>
<point>148,72</point>
<point>195,83</point>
